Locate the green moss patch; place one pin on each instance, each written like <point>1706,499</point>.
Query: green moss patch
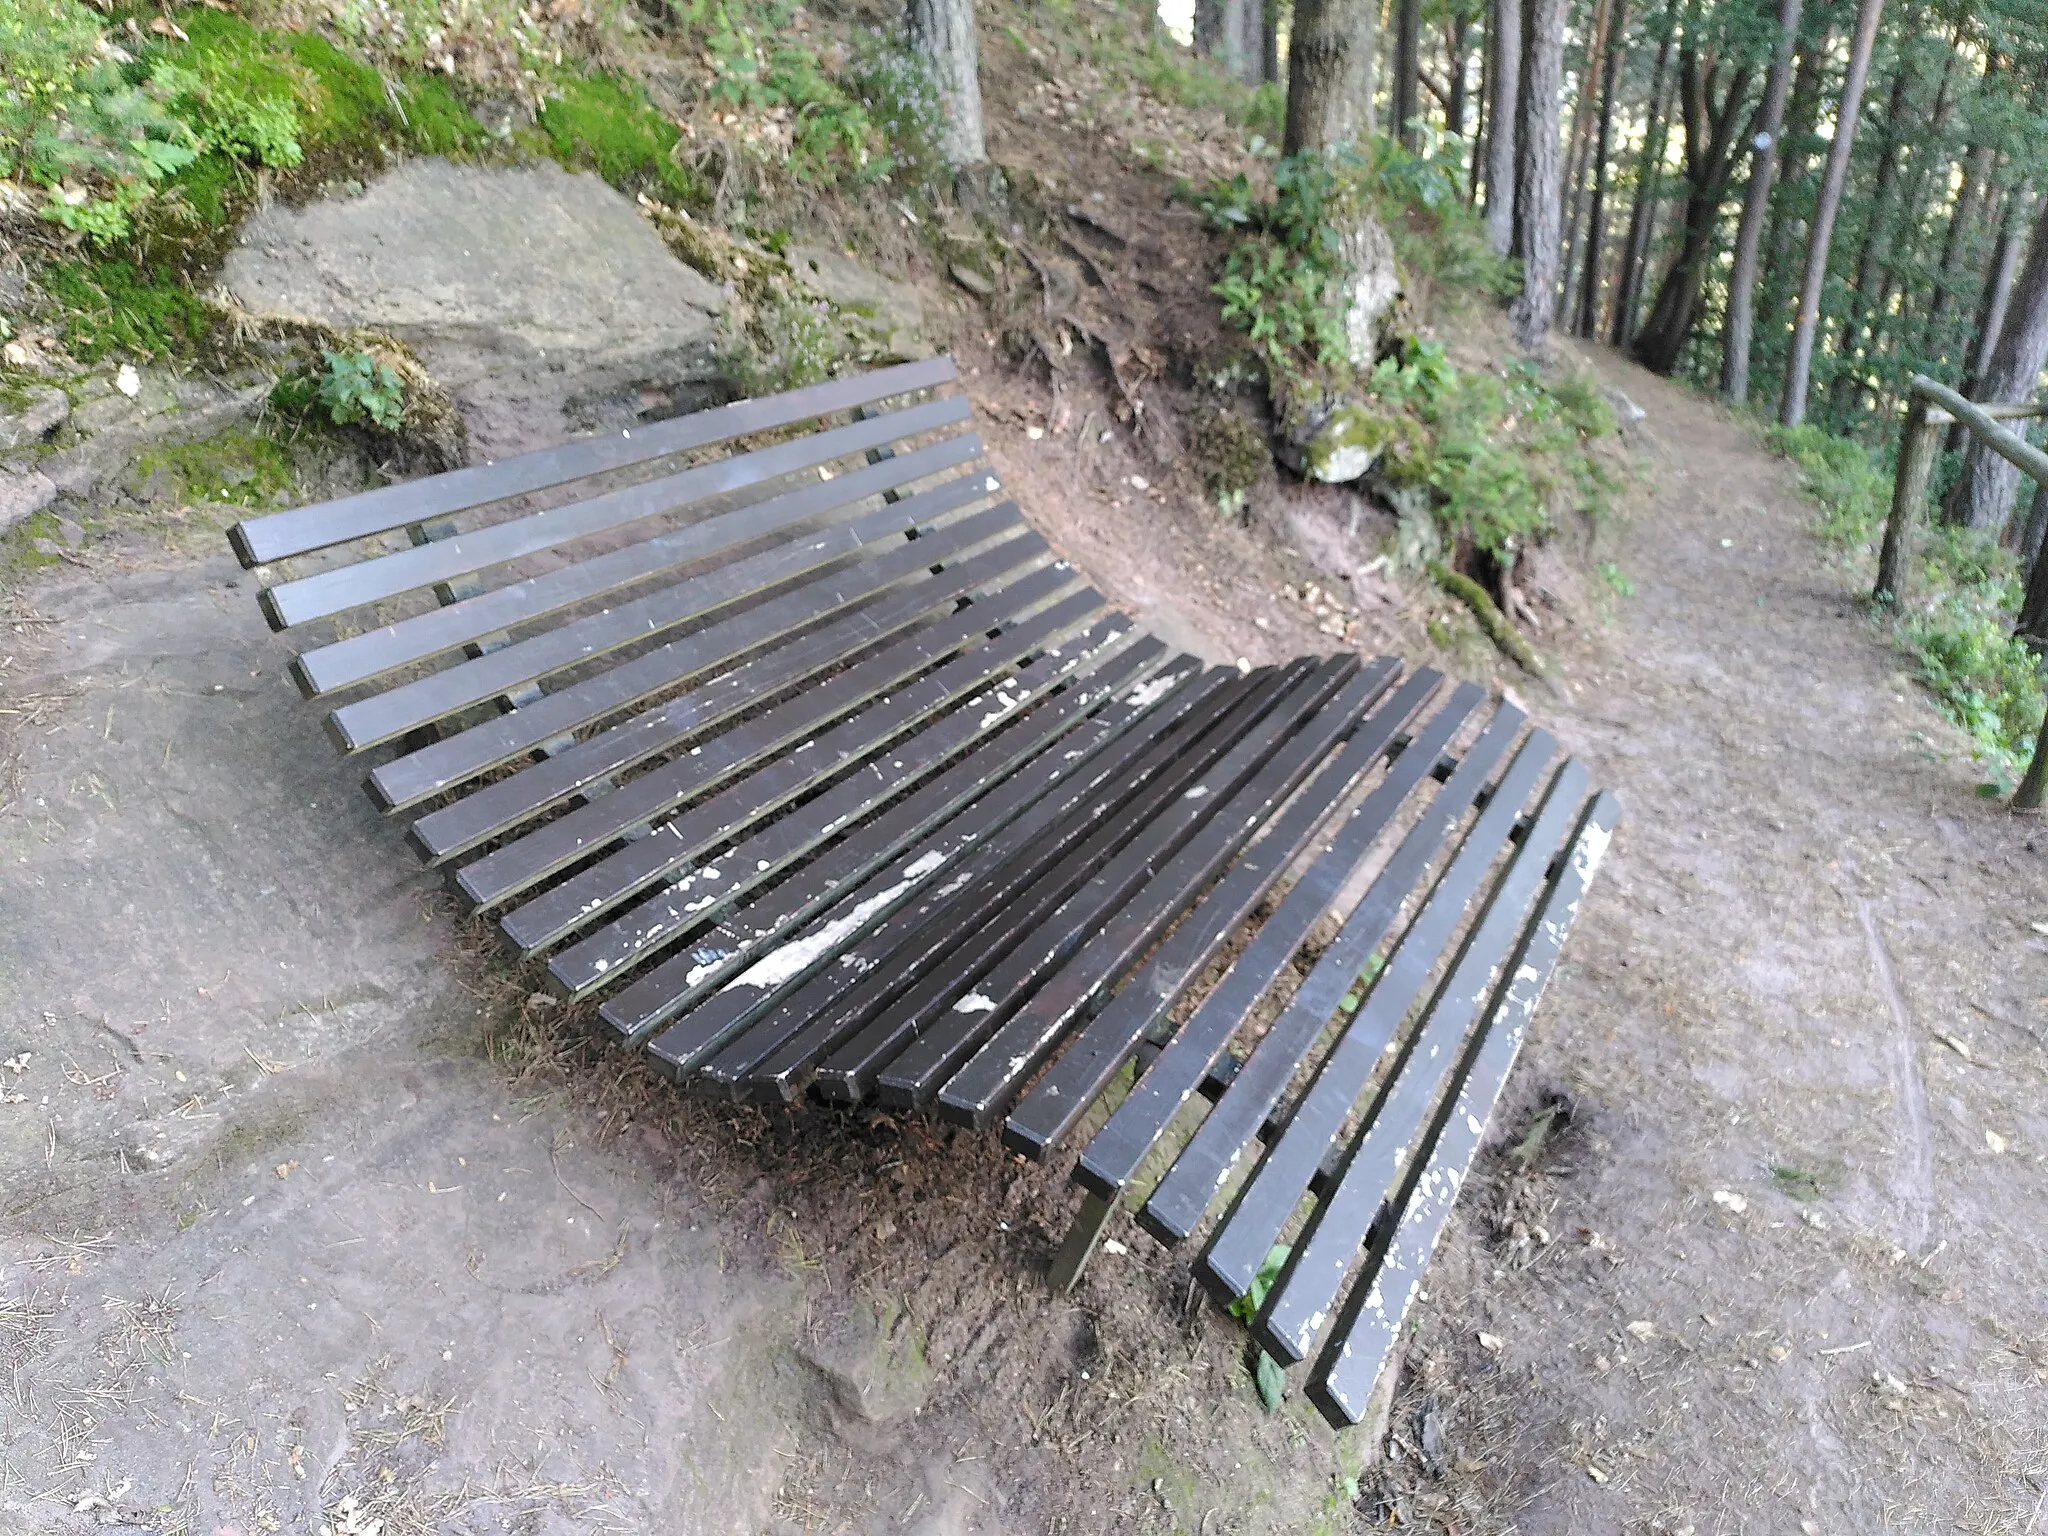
<point>114,306</point>
<point>606,124</point>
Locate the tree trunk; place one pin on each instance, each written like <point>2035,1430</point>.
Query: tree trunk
<point>1857,309</point>
<point>942,34</point>
<point>1328,72</point>
<point>1482,127</point>
<point>1579,163</point>
<point>1407,68</point>
<point>1775,287</point>
<point>1536,171</point>
<point>1998,280</point>
<point>1709,158</point>
<point>1983,493</point>
<point>1635,249</point>
<point>1454,54</point>
<point>1231,33</point>
<point>1756,202</point>
<point>1596,222</point>
<point>1504,118</point>
<point>1799,371</point>
<point>1269,41</point>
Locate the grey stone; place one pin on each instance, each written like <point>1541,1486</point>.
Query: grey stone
<point>540,299</point>
<point>23,493</point>
<point>36,420</point>
<point>1371,285</point>
<point>890,312</point>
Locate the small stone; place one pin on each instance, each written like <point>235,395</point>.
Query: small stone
<point>972,281</point>
<point>1491,1343</point>
<point>128,381</point>
<point>42,415</point>
<point>1728,1200</point>
<point>23,493</point>
<point>1644,1331</point>
<point>1996,1143</point>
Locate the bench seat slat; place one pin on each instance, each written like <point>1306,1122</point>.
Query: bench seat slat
<point>659,921</point>
<point>368,581</point>
<point>979,931</point>
<point>1105,660</point>
<point>281,535</point>
<point>791,1013</point>
<point>437,631</point>
<point>1229,1262</point>
<point>984,1086</point>
<point>1341,1383</point>
<point>516,866</point>
<point>669,848</point>
<point>779,1052</point>
<point>1093,1057</point>
<point>1306,1290</point>
<point>1205,1163</point>
<point>1127,898</point>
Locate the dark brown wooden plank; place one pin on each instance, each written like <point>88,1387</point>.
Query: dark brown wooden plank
<point>455,626</point>
<point>783,1042</point>
<point>280,535</point>
<point>786,639</point>
<point>1305,1292</point>
<point>690,896</point>
<point>1115,894</point>
<point>664,852</point>
<point>1109,658</point>
<point>1196,1053</point>
<point>547,849</point>
<point>1204,1164</point>
<point>979,930</point>
<point>369,581</point>
<point>984,1086</point>
<point>1342,1382</point>
<point>1089,1062</point>
<point>1246,1235</point>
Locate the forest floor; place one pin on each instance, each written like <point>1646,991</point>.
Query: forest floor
<point>311,1220</point>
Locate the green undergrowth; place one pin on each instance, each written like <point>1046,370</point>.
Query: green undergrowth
<point>242,467</point>
<point>605,124</point>
<point>1957,622</point>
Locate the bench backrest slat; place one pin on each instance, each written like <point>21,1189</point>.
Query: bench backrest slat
<point>281,535</point>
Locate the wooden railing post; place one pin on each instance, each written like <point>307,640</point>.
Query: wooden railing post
<point>1909,494</point>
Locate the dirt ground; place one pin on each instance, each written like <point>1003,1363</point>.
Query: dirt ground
<point>314,1218</point>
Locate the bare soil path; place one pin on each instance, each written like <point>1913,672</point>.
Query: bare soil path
<point>310,1217</point>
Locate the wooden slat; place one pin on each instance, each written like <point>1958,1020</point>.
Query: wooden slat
<point>1245,1236</point>
<point>1113,1155</point>
<point>777,636</point>
<point>453,626</point>
<point>1108,659</point>
<point>548,849</point>
<point>820,519</point>
<point>780,1048</point>
<point>664,917</point>
<point>1341,1384</point>
<point>789,995</point>
<point>1204,1164</point>
<point>280,535</point>
<point>1089,1061</point>
<point>984,1086</point>
<point>369,581</point>
<point>977,937</point>
<point>669,848</point>
<point>1306,1291</point>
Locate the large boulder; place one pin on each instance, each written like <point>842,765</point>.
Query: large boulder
<point>540,299</point>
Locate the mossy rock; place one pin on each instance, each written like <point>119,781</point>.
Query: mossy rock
<point>1230,454</point>
<point>1351,440</point>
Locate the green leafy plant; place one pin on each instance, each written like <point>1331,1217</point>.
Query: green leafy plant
<point>114,306</point>
<point>1616,578</point>
<point>1283,277</point>
<point>356,387</point>
<point>1267,1373</point>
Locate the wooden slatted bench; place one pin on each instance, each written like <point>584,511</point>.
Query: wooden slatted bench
<point>816,769</point>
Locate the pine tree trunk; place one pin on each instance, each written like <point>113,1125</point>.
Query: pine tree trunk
<point>1709,158</point>
<point>1596,222</point>
<point>1756,201</point>
<point>1996,302</point>
<point>1852,348</point>
<point>942,34</point>
<point>1455,50</point>
<point>1482,127</point>
<point>1983,493</point>
<point>1635,249</point>
<point>1579,164</point>
<point>1329,57</point>
<point>1232,33</point>
<point>1407,68</point>
<point>1269,42</point>
<point>1776,284</point>
<point>1799,372</point>
<point>1504,118</point>
<point>1537,214</point>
